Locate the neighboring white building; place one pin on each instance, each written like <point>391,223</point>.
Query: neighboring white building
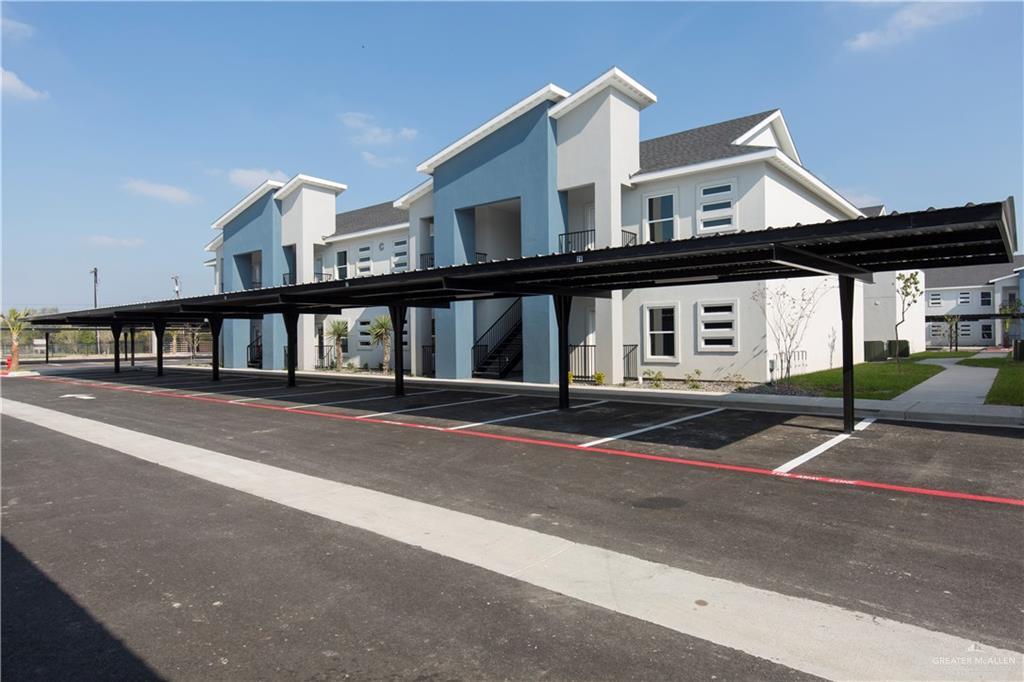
<point>562,171</point>
<point>972,293</point>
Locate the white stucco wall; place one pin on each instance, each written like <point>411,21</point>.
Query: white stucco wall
<point>882,311</point>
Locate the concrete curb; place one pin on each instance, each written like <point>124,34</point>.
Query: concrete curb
<point>908,411</point>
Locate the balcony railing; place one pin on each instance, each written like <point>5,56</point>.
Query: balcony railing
<point>581,240</point>
<point>427,259</point>
<point>628,238</point>
<point>582,361</point>
<point>288,278</point>
<point>323,276</point>
<point>255,283</point>
<point>427,361</point>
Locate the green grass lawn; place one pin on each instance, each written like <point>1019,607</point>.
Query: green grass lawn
<point>871,380</point>
<point>931,354</point>
<point>1008,388</point>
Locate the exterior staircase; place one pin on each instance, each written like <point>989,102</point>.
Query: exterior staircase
<point>498,351</point>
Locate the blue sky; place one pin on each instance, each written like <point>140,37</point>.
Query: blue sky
<point>128,128</point>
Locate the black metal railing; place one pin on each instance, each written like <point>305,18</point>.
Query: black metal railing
<point>427,367</point>
<point>323,276</point>
<point>254,354</point>
<point>325,357</point>
<point>255,284</point>
<point>628,238</point>
<point>481,257</point>
<point>288,278</point>
<point>427,260</point>
<point>582,361</point>
<point>496,335</point>
<point>630,362</point>
<point>581,240</point>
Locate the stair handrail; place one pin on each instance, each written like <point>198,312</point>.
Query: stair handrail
<point>498,332</point>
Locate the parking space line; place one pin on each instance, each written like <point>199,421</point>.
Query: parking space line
<point>296,395</point>
<point>561,445</point>
<point>521,416</point>
<point>360,400</point>
<point>434,407</point>
<point>827,445</point>
<point>652,427</point>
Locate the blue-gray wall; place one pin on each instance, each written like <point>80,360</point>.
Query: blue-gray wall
<point>257,228</point>
<point>517,161</point>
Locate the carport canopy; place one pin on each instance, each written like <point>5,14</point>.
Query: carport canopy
<point>973,234</point>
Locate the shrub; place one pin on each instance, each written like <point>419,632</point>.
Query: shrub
<point>570,377</point>
<point>599,378</point>
<point>657,379</point>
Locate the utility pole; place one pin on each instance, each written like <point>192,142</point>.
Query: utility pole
<point>177,285</point>
<point>96,301</point>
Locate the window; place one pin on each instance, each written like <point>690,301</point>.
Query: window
<point>364,333</point>
<point>986,298</point>
<point>341,265</point>
<point>364,266</point>
<point>937,330</point>
<point>400,256</point>
<point>716,328</point>
<point>934,298</point>
<point>716,206</point>
<point>661,218</point>
<point>986,331</point>
<point>965,329</point>
<point>964,298</point>
<point>660,323</point>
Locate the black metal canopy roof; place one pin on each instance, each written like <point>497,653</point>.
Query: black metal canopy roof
<point>947,237</point>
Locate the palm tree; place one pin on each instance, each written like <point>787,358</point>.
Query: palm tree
<point>380,335</point>
<point>337,331</point>
<point>15,321</point>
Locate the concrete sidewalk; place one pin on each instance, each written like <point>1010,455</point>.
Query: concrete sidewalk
<point>900,409</point>
<point>957,384</point>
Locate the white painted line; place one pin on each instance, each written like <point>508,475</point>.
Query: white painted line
<point>806,635</point>
<point>521,416</point>
<point>827,445</point>
<point>652,427</point>
<point>304,393</point>
<point>434,407</point>
<point>361,400</point>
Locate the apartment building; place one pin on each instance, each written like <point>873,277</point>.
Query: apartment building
<point>974,294</point>
<point>563,172</point>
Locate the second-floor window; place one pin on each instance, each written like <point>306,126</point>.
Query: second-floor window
<point>716,206</point>
<point>986,298</point>
<point>934,298</point>
<point>964,298</point>
<point>400,256</point>
<point>660,221</point>
<point>365,264</point>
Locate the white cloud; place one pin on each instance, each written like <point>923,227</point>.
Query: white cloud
<point>907,22</point>
<point>19,89</point>
<point>381,161</point>
<point>16,30</point>
<point>155,190</point>
<point>109,242</point>
<point>859,197</point>
<point>251,178</point>
<point>368,133</point>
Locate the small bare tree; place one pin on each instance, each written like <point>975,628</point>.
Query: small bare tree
<point>952,326</point>
<point>788,315</point>
<point>908,293</point>
<point>831,341</point>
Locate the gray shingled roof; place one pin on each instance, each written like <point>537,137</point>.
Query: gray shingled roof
<point>974,275</point>
<point>368,217</point>
<point>707,143</point>
<point>872,211</point>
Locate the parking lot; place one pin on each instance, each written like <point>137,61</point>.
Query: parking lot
<point>915,523</point>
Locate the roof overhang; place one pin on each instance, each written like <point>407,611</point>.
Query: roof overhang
<point>215,243</point>
<point>250,199</point>
<point>302,180</point>
<point>406,200</point>
<point>613,78</point>
<point>362,234</point>
<point>549,93</point>
<point>777,122</point>
<point>948,237</point>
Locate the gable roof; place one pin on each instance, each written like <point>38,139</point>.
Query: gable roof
<point>698,145</point>
<point>872,211</point>
<point>369,217</point>
<point>973,275</point>
<point>612,78</point>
